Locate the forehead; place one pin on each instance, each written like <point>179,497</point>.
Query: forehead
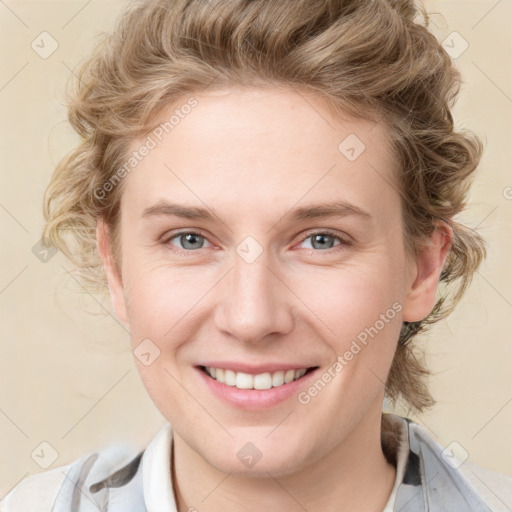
<point>244,147</point>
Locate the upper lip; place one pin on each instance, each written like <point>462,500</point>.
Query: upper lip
<point>254,369</point>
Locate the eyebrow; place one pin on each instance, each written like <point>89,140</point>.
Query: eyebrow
<point>314,211</point>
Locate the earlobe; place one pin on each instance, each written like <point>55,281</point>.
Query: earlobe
<point>421,294</point>
<point>115,284</point>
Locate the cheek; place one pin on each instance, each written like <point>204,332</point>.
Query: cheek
<point>358,314</point>
<point>348,300</point>
<point>158,296</point>
<point>340,303</point>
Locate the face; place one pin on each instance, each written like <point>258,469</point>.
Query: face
<point>261,236</point>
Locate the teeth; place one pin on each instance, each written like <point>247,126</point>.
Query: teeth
<point>288,376</point>
<point>277,378</point>
<point>260,381</point>
<point>229,378</point>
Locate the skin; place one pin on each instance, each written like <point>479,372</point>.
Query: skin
<point>251,156</point>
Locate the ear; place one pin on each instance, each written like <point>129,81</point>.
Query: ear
<point>425,271</point>
<point>115,284</point>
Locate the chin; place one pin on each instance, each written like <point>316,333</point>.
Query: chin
<point>277,465</point>
<point>258,458</point>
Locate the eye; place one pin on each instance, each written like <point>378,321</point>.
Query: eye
<point>323,240</point>
<point>187,241</point>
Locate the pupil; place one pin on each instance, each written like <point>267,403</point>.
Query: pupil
<point>190,238</point>
<point>320,238</point>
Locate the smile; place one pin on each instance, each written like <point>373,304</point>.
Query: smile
<point>265,380</point>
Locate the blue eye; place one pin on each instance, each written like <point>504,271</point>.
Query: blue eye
<point>322,241</point>
<point>189,240</point>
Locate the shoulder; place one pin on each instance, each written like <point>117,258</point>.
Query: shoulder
<point>448,480</point>
<point>35,493</point>
<point>44,491</point>
<point>495,488</point>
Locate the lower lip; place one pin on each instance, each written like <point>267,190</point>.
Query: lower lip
<point>255,399</point>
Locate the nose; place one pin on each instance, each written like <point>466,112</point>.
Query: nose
<point>254,302</point>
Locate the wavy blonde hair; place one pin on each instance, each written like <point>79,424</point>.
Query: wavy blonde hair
<point>372,59</point>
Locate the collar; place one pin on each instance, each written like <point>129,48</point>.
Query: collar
<point>431,482</point>
<point>118,480</point>
<point>156,473</point>
<point>114,481</point>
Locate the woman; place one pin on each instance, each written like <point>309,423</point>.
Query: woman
<point>268,191</point>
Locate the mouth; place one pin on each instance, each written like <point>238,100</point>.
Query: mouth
<point>260,381</point>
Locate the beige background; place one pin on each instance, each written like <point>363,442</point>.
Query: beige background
<point>67,375</point>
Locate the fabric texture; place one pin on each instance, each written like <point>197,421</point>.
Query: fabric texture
<point>120,479</point>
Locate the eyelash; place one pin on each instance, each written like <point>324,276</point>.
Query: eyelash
<point>182,252</point>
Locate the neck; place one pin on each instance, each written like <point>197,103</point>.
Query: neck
<point>355,475</point>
